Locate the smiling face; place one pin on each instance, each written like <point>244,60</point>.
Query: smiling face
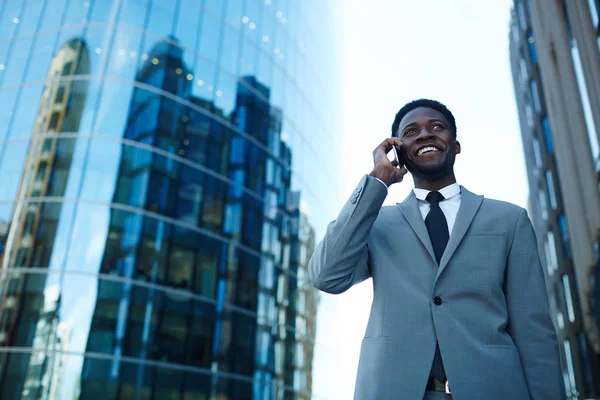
<point>429,147</point>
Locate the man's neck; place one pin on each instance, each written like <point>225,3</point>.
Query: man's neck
<point>434,185</point>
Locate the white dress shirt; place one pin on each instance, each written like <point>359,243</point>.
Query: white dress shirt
<point>449,205</point>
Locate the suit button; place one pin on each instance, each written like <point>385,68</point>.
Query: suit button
<point>437,300</point>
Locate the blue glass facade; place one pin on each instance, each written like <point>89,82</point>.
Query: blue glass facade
<point>161,162</point>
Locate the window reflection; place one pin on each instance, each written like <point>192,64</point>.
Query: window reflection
<point>169,175</point>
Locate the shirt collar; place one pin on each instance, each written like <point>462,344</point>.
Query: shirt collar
<point>448,192</point>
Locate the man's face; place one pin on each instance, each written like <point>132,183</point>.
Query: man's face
<point>429,146</point>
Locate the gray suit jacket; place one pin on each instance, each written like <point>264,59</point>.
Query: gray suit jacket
<point>493,326</point>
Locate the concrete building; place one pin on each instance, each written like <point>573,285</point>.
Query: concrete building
<point>555,59</point>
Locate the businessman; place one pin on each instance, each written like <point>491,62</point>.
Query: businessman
<point>460,308</point>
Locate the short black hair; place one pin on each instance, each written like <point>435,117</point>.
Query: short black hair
<point>436,105</point>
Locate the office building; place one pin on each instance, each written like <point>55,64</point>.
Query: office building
<point>555,59</point>
<point>160,165</point>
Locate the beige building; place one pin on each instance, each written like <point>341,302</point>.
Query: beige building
<point>555,61</point>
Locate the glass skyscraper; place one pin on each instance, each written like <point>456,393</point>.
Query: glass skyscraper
<point>162,165</point>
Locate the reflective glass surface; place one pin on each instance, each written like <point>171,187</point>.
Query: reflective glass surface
<point>161,165</point>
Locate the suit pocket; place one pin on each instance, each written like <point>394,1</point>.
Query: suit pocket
<point>485,233</point>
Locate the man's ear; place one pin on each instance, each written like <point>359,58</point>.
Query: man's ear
<point>457,146</point>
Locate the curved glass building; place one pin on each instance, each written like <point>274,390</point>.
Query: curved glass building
<point>162,165</point>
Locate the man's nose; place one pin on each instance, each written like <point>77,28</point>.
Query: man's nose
<point>424,134</point>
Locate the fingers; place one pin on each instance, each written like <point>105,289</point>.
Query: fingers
<point>399,174</point>
<point>385,147</point>
<point>387,144</point>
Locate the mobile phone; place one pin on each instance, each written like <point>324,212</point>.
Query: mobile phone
<point>398,156</point>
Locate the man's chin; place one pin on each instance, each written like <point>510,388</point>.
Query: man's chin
<point>429,172</point>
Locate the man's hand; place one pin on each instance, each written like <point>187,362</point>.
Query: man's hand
<point>384,169</point>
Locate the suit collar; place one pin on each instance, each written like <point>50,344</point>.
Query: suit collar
<point>469,206</point>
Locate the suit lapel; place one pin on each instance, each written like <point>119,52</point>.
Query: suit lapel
<point>410,210</point>
<point>469,205</point>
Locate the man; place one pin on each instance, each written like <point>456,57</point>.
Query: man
<point>460,308</point>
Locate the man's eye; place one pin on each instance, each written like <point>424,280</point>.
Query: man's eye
<point>438,127</point>
<point>410,131</point>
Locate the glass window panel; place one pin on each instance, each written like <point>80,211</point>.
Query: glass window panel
<point>188,22</point>
<point>564,234</point>
<point>531,45</point>
<point>254,14</point>
<point>268,30</point>
<point>584,354</point>
<point>4,47</point>
<point>101,170</point>
<point>76,14</point>
<point>523,71</point>
<point>570,369</point>
<point>551,256</point>
<point>585,101</point>
<point>53,16</point>
<point>560,319</point>
<point>41,57</point>
<point>97,46</point>
<point>277,87</point>
<point>134,12</point>
<point>113,110</point>
<point>265,67</point>
<point>11,168</point>
<point>568,297</point>
<point>551,191</point>
<point>226,94</point>
<point>17,64</point>
<point>248,59</point>
<point>594,12</point>
<point>8,101</point>
<point>124,54</point>
<point>535,96</point>
<point>547,134</point>
<point>230,50</point>
<point>543,204</point>
<point>522,17</point>
<point>529,115</point>
<point>162,14</point>
<point>203,86</point>
<point>103,11</point>
<point>233,15</point>
<point>210,36</point>
<point>26,112</point>
<point>537,152</point>
<point>217,6</point>
<point>30,17</point>
<point>10,18</point>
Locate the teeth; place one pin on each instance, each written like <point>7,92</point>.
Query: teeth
<point>426,150</point>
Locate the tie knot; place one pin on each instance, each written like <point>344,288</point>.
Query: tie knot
<point>434,197</point>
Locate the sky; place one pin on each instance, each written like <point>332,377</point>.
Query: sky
<point>454,51</point>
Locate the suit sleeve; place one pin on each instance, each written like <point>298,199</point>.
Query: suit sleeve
<point>341,259</point>
<point>529,318</point>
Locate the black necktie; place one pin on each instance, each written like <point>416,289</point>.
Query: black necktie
<point>437,226</point>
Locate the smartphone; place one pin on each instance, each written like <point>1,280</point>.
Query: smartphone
<point>398,156</point>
